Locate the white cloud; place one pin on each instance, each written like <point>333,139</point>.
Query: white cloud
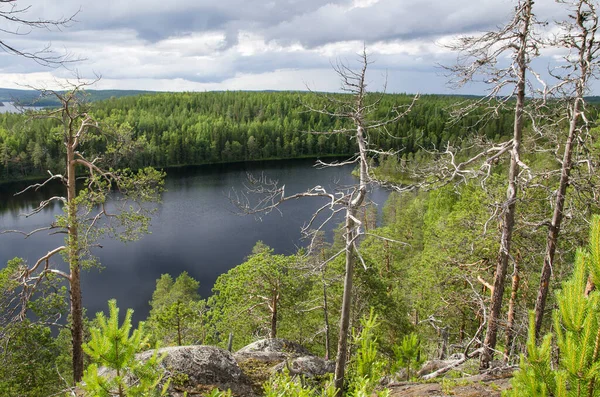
<point>256,44</point>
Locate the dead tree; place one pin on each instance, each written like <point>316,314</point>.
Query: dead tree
<point>483,56</point>
<point>17,23</point>
<point>86,213</point>
<point>581,66</point>
<point>353,110</point>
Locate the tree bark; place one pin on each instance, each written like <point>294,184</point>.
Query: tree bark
<point>340,360</point>
<point>73,255</point>
<point>554,229</point>
<point>511,313</point>
<point>508,219</point>
<point>586,53</point>
<point>351,234</point>
<point>326,320</point>
<point>273,333</point>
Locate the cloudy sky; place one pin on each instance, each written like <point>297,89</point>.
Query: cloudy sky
<point>199,45</point>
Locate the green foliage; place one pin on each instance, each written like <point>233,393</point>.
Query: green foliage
<point>283,385</point>
<point>177,314</point>
<point>577,334</point>
<point>219,393</point>
<point>408,353</point>
<point>365,363</point>
<point>27,358</point>
<point>113,347</point>
<point>367,366</point>
<point>167,129</point>
<point>255,298</point>
<point>366,369</point>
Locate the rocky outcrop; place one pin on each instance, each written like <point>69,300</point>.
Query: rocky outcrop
<point>264,357</point>
<point>309,366</point>
<point>196,369</point>
<point>271,350</point>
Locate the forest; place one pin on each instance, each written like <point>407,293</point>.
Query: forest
<point>487,257</point>
<point>174,129</point>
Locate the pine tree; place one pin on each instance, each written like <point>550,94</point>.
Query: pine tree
<point>112,347</point>
<point>577,335</point>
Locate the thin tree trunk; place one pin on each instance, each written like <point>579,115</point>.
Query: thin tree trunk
<point>179,324</point>
<point>340,360</point>
<point>557,216</point>
<point>511,313</point>
<point>508,219</point>
<point>73,254</point>
<point>326,320</point>
<point>351,234</point>
<point>273,333</point>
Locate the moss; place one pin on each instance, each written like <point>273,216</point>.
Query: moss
<point>257,371</point>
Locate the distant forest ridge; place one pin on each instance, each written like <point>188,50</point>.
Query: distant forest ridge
<point>30,97</point>
<point>34,98</point>
<point>191,128</point>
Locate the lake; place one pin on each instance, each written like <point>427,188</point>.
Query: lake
<point>196,229</point>
<point>9,107</point>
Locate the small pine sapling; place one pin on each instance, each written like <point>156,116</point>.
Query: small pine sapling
<point>577,335</point>
<point>367,367</point>
<point>113,348</point>
<point>408,354</point>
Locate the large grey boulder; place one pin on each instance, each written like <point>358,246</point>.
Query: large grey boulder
<point>309,366</point>
<point>266,356</point>
<point>271,350</point>
<point>195,369</point>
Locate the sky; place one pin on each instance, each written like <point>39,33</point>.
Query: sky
<point>205,45</point>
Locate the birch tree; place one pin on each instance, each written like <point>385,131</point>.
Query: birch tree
<point>88,215</point>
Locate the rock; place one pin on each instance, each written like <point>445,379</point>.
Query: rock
<point>199,368</point>
<point>433,365</point>
<point>400,376</point>
<point>258,358</point>
<point>309,366</point>
<point>271,350</point>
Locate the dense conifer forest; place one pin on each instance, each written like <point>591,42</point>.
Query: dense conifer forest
<point>173,129</point>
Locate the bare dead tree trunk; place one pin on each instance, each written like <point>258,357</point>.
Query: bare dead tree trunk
<point>351,236</point>
<point>554,228</point>
<point>342,348</point>
<point>580,37</point>
<point>510,331</point>
<point>508,219</point>
<point>353,109</point>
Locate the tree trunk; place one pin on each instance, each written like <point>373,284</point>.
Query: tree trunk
<point>557,216</point>
<point>508,219</point>
<point>74,267</point>
<point>340,360</point>
<point>326,320</point>
<point>273,333</point>
<point>511,313</point>
<point>179,324</point>
<point>351,234</point>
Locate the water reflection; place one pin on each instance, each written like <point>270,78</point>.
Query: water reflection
<point>196,229</point>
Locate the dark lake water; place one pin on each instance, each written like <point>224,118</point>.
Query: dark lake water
<point>196,230</point>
